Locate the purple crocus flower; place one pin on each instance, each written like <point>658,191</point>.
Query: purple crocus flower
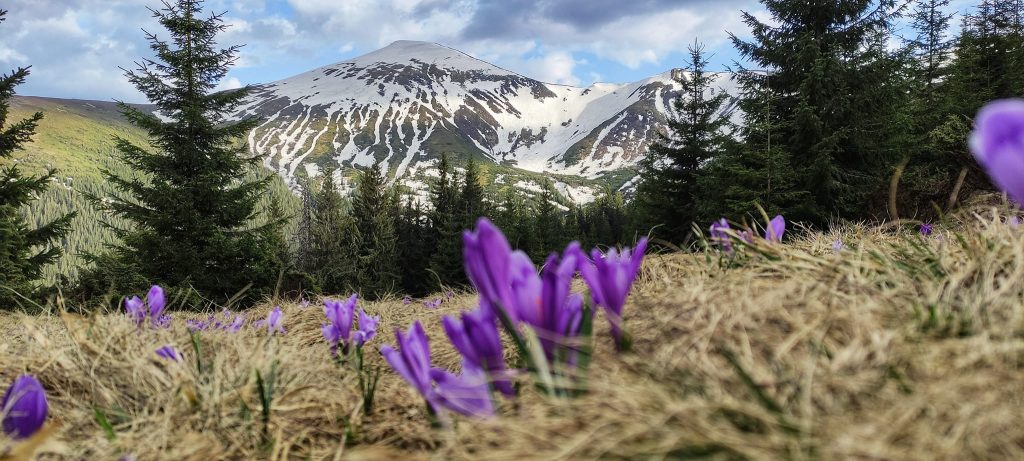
<point>747,236</point>
<point>719,235</point>
<point>432,304</point>
<point>24,407</point>
<point>610,277</point>
<point>998,145</point>
<point>304,303</point>
<point>1014,222</point>
<point>340,315</point>
<point>776,227</point>
<point>135,309</point>
<point>837,246</point>
<point>486,254</point>
<point>476,337</point>
<point>273,323</point>
<point>467,394</point>
<point>196,325</point>
<point>235,325</point>
<point>561,311</point>
<point>406,300</point>
<point>412,361</point>
<point>156,302</point>
<point>367,328</point>
<point>925,229</point>
<point>170,353</point>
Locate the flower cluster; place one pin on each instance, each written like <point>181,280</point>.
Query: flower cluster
<point>152,309</point>
<point>513,293</point>
<point>338,330</point>
<point>773,232</point>
<point>227,321</point>
<point>24,408</point>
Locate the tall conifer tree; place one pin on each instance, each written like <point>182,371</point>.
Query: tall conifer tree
<point>829,86</point>
<point>668,193</point>
<point>374,218</point>
<point>192,209</point>
<point>23,251</point>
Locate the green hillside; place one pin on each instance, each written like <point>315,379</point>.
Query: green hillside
<point>77,138</point>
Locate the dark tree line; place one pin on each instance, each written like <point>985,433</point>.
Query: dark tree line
<point>414,246</point>
<point>831,114</point>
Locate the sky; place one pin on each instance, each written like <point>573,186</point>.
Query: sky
<point>77,48</point>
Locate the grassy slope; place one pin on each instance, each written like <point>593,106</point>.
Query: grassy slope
<point>897,348</point>
<point>77,138</point>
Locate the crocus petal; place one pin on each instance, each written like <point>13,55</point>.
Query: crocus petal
<point>485,254</point>
<point>776,228</point>
<point>24,407</point>
<point>156,301</point>
<point>997,143</point>
<point>467,394</point>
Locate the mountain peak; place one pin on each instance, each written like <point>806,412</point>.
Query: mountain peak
<point>411,51</point>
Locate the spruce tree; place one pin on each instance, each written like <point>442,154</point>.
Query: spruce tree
<point>668,193</point>
<point>331,239</point>
<point>930,171</point>
<point>412,253</point>
<point>376,259</point>
<point>471,200</point>
<point>830,88</point>
<point>548,236</point>
<point>191,207</point>
<point>448,223</point>
<point>23,251</point>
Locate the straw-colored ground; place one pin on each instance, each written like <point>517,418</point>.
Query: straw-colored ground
<point>897,348</point>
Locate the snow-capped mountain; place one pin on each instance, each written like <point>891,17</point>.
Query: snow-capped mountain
<point>407,103</point>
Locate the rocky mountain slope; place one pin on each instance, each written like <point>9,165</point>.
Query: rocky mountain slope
<point>407,103</point>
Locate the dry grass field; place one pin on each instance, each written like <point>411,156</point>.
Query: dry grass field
<point>898,347</point>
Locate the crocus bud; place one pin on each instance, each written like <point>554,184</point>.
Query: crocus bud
<point>998,145</point>
<point>24,407</point>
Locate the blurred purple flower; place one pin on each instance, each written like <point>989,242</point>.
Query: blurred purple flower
<point>449,295</point>
<point>1014,222</point>
<point>476,337</point>
<point>610,277</point>
<point>467,394</point>
<point>274,322</point>
<point>746,236</point>
<point>170,353</point>
<point>486,256</point>
<point>776,228</point>
<point>925,229</point>
<point>560,312</point>
<point>407,300</point>
<point>432,304</point>
<point>998,145</point>
<point>156,302</point>
<point>196,325</point>
<point>412,361</point>
<point>720,236</point>
<point>24,407</point>
<point>838,246</point>
<point>367,328</point>
<point>135,309</point>
<point>304,303</point>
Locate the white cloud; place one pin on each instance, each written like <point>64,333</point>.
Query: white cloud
<point>77,46</point>
<point>230,83</point>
